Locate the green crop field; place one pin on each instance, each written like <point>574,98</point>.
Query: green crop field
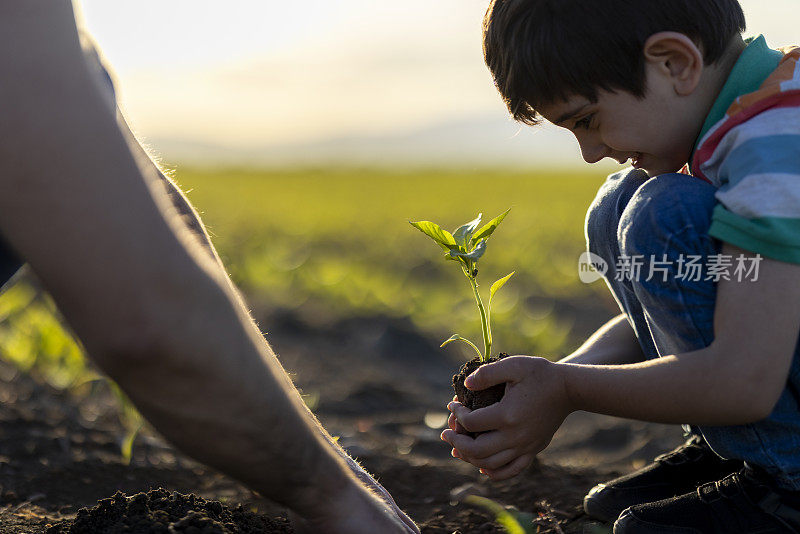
<point>338,242</point>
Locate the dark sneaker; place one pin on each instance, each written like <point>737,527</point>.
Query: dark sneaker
<point>670,474</point>
<point>742,502</point>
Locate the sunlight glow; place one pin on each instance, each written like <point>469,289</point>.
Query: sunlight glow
<point>249,74</point>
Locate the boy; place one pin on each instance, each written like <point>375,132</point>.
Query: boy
<point>663,83</point>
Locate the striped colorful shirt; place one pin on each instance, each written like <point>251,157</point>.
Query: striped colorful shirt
<point>749,148</point>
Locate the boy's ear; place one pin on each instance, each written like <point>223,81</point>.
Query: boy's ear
<point>676,56</point>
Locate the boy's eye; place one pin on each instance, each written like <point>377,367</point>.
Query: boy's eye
<point>585,122</point>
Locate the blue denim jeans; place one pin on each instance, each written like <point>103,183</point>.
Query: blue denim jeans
<point>664,220</point>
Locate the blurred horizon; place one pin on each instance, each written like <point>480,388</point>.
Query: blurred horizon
<point>350,82</point>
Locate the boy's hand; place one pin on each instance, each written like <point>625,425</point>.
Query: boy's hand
<point>453,423</point>
<point>518,427</point>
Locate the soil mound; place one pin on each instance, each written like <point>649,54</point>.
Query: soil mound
<point>161,512</point>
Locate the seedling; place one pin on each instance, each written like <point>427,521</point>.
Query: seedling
<point>466,245</point>
<point>512,520</point>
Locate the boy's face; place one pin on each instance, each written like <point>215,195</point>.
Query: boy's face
<point>656,133</point>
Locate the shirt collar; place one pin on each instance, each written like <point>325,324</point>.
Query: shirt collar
<point>754,65</point>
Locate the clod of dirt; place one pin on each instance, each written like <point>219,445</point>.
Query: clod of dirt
<point>477,399</point>
<point>161,512</point>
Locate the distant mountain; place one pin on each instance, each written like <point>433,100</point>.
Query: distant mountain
<point>480,139</point>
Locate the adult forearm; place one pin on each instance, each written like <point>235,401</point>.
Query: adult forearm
<point>695,387</point>
<point>225,400</point>
<point>186,212</point>
<point>612,343</point>
<point>211,374</point>
<point>152,308</point>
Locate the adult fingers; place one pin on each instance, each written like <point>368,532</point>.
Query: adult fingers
<point>381,492</point>
<point>512,469</point>
<point>506,370</point>
<point>409,523</point>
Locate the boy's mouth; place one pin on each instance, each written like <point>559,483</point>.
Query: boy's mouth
<point>635,160</point>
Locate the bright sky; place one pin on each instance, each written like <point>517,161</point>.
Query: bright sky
<point>241,73</point>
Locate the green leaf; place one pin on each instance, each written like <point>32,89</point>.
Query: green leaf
<point>506,518</point>
<point>476,253</point>
<point>456,337</point>
<point>487,229</point>
<point>432,230</point>
<point>463,233</point>
<point>497,285</point>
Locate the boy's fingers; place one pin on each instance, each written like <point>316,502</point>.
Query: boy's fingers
<point>449,436</point>
<point>454,405</point>
<point>481,420</point>
<point>496,461</point>
<point>471,449</point>
<point>453,424</point>
<point>510,470</point>
<point>491,374</point>
<point>458,410</point>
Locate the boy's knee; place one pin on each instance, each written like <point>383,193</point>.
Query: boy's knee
<point>661,208</point>
<point>603,215</point>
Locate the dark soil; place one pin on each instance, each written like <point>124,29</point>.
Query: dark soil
<point>484,397</point>
<point>374,382</point>
<point>161,512</point>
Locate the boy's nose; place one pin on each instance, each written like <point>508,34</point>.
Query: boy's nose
<point>593,152</point>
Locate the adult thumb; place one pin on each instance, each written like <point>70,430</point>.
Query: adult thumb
<point>506,370</point>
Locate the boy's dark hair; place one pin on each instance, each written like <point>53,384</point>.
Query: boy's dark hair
<point>544,51</point>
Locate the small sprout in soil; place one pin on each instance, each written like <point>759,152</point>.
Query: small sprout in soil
<point>131,420</point>
<point>465,246</point>
<point>512,520</point>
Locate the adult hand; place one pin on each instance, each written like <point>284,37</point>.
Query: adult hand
<point>373,485</point>
<point>362,507</point>
<point>517,428</point>
<point>354,510</point>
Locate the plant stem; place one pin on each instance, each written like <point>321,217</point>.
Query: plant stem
<point>487,333</point>
<point>471,344</point>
